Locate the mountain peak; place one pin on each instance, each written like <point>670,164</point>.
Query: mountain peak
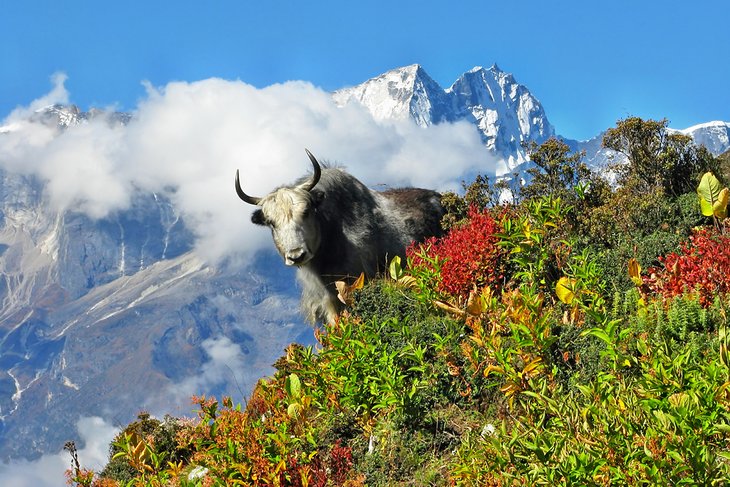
<point>493,69</point>
<point>715,136</point>
<point>401,93</point>
<point>505,112</point>
<point>411,68</point>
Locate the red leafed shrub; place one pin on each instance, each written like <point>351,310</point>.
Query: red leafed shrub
<point>701,266</point>
<point>468,255</point>
<point>335,469</point>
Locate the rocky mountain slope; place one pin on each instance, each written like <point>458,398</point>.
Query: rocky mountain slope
<point>104,317</point>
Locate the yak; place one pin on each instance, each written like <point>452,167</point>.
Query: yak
<point>332,228</point>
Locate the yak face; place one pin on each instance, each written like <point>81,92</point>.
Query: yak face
<point>290,213</point>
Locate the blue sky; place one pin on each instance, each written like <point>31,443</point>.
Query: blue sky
<point>589,63</point>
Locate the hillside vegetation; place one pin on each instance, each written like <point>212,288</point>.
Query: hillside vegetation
<point>576,336</point>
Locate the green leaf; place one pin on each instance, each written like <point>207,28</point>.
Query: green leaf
<point>293,386</point>
<point>598,333</point>
<point>396,269</point>
<point>722,427</point>
<point>293,409</point>
<point>676,456</point>
<point>724,454</point>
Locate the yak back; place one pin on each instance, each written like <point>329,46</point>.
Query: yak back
<point>361,230</point>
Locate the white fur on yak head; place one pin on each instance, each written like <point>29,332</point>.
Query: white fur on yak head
<point>289,213</point>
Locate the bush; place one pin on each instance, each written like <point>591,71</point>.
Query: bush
<point>702,266</point>
<point>654,413</point>
<point>469,255</point>
<point>160,436</point>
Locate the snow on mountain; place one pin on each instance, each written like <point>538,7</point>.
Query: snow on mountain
<point>67,116</point>
<point>400,94</point>
<point>504,111</point>
<point>713,135</point>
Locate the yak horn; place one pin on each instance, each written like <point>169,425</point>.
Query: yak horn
<point>312,182</point>
<point>252,200</point>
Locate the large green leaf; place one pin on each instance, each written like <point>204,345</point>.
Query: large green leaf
<point>293,386</point>
<point>713,197</point>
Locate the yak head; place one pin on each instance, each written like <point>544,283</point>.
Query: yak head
<point>290,214</point>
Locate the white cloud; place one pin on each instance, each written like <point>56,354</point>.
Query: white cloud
<point>226,361</point>
<point>48,471</point>
<point>192,137</point>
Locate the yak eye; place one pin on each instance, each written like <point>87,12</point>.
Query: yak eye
<point>258,218</point>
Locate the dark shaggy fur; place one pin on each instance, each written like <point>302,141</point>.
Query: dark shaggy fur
<point>360,230</point>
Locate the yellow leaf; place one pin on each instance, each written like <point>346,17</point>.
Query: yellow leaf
<point>706,207</point>
<point>719,208</point>
<point>345,292</point>
<point>635,272</point>
<point>565,290</point>
<point>408,281</point>
<point>510,389</point>
<point>293,410</point>
<point>449,308</point>
<point>395,269</point>
<point>713,197</point>
<point>341,291</point>
<point>138,449</point>
<point>493,368</point>
<point>475,305</point>
<point>532,366</point>
<point>359,282</point>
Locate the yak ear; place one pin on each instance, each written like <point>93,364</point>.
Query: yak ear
<point>257,217</point>
<point>317,196</point>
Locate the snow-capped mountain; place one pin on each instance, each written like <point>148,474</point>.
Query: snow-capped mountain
<point>713,135</point>
<point>400,94</point>
<point>504,111</point>
<point>66,116</point>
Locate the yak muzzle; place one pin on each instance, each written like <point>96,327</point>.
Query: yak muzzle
<point>296,257</point>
